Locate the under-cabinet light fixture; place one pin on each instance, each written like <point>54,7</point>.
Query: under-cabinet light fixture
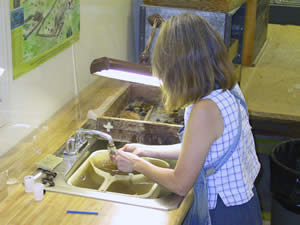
<point>124,70</point>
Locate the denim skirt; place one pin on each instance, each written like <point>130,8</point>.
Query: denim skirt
<point>245,214</point>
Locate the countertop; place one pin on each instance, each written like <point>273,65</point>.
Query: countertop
<point>20,208</point>
<point>272,86</point>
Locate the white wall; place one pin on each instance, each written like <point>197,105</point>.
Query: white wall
<point>108,33</point>
<point>106,30</point>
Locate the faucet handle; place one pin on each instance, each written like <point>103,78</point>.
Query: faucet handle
<point>79,138</point>
<point>70,146</point>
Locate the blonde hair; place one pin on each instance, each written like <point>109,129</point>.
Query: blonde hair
<point>191,59</point>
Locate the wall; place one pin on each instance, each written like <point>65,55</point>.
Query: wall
<point>107,29</point>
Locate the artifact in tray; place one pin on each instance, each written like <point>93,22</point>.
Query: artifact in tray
<point>161,115</point>
<point>139,110</point>
<point>136,111</point>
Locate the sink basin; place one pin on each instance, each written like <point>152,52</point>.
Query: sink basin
<point>99,173</point>
<point>91,174</point>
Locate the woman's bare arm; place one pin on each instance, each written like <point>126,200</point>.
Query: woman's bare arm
<point>205,125</point>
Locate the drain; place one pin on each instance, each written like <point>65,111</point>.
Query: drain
<point>83,177</point>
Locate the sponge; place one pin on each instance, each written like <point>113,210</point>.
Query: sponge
<point>49,162</point>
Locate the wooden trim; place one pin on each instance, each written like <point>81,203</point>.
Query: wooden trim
<point>137,131</point>
<point>249,33</point>
<point>275,126</point>
<point>204,5</point>
<point>274,116</point>
<point>233,49</point>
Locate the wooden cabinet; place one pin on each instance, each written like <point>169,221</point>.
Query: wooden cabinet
<point>203,5</point>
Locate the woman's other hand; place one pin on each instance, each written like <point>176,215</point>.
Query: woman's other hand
<point>126,161</point>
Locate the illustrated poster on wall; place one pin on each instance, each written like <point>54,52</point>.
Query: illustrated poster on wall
<point>40,29</point>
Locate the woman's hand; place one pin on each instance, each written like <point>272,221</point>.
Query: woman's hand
<point>137,149</point>
<point>126,161</point>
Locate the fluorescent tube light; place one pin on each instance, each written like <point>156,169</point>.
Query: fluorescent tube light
<point>123,70</point>
<point>1,71</point>
<point>129,76</point>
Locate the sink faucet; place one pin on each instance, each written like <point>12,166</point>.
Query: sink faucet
<point>73,145</point>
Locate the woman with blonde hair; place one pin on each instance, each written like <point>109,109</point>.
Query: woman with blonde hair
<point>216,155</point>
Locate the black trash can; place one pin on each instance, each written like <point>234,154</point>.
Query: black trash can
<point>285,183</point>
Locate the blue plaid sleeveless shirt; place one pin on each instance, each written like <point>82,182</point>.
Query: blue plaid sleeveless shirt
<point>234,181</point>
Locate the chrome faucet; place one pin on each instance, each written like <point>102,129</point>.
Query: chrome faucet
<point>73,145</point>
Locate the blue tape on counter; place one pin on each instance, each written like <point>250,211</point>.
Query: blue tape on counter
<point>82,212</point>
